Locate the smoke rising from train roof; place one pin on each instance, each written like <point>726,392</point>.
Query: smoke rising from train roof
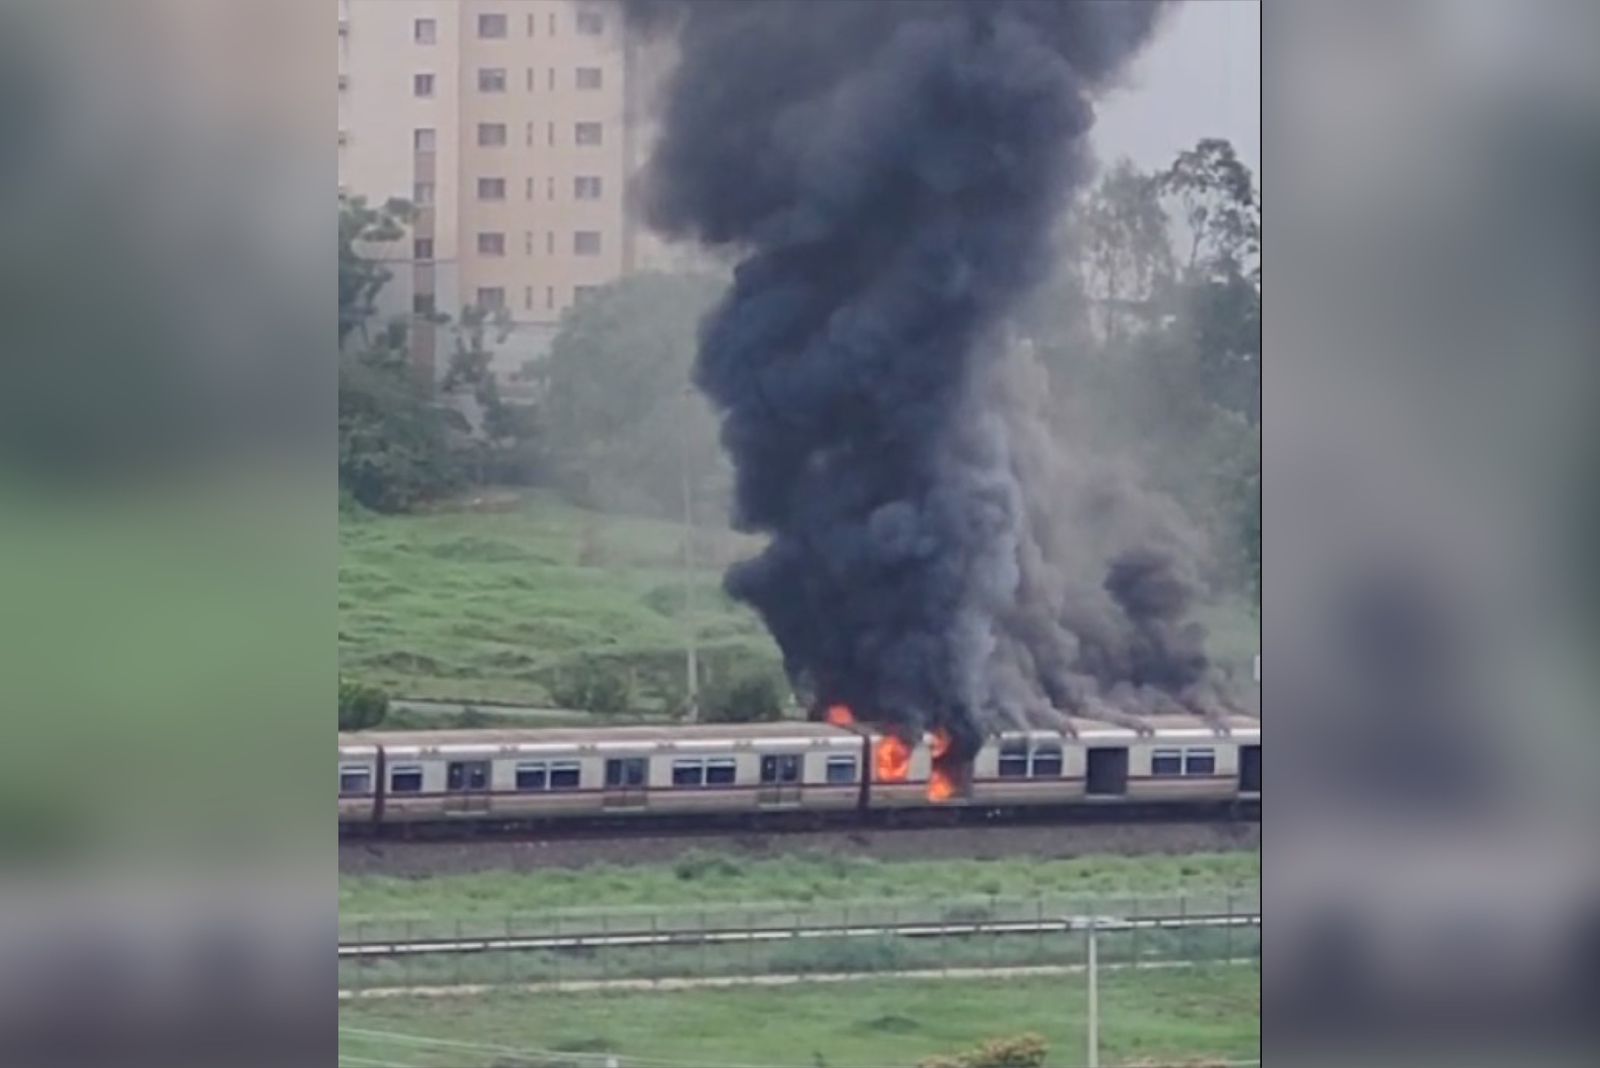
<point>889,173</point>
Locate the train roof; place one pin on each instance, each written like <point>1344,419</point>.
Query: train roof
<point>642,735</point>
<point>790,731</point>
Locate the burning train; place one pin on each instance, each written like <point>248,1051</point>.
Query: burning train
<point>835,769</point>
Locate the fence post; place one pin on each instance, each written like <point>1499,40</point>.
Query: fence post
<point>511,954</point>
<point>1185,943</point>
<point>1227,941</point>
<point>406,967</point>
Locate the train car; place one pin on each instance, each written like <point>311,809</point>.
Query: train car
<point>512,775</point>
<point>509,776</point>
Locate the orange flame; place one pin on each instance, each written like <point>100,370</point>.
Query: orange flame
<point>841,716</point>
<point>892,760</point>
<point>940,786</point>
<point>939,744</point>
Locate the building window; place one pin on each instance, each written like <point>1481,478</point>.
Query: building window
<point>423,194</point>
<point>491,298</point>
<point>491,80</point>
<point>491,134</point>
<point>405,779</point>
<point>549,297</point>
<point>587,133</point>
<point>550,188</point>
<point>552,24</point>
<point>1166,762</point>
<point>424,140</point>
<point>491,244</point>
<point>530,74</point>
<point>841,770</point>
<point>529,192</point>
<point>583,293</point>
<point>532,777</point>
<point>588,77</point>
<point>549,242</point>
<point>425,31</point>
<point>550,132</point>
<point>1199,761</point>
<point>422,84</point>
<point>422,248</point>
<point>527,298</point>
<point>527,134</point>
<point>591,23</point>
<point>491,188</point>
<point>527,250</point>
<point>550,78</point>
<point>586,187</point>
<point>355,779</point>
<point>422,303</point>
<point>530,25</point>
<point>491,26</point>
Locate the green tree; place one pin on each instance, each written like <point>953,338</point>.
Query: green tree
<point>394,441</point>
<point>624,422</point>
<point>1217,195</point>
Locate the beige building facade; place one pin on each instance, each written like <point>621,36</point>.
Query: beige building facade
<point>513,127</point>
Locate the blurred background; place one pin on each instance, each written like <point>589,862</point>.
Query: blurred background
<point>169,526</point>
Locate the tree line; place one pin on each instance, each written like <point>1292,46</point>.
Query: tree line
<point>1150,330</point>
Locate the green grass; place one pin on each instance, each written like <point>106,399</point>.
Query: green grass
<point>702,879</point>
<point>1145,1016</point>
<point>489,605</point>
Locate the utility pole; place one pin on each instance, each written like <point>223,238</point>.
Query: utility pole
<point>1094,997</point>
<point>692,665</point>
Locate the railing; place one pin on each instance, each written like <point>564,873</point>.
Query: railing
<point>591,947</point>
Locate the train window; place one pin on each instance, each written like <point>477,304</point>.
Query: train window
<point>355,780</point>
<point>841,769</point>
<point>406,779</point>
<point>1199,761</point>
<point>688,773</point>
<point>564,775</point>
<point>721,772</point>
<point>532,777</point>
<point>1014,759</point>
<point>1166,762</point>
<point>1047,762</point>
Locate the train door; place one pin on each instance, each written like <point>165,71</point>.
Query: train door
<point>467,784</point>
<point>1107,772</point>
<point>780,779</point>
<point>625,782</point>
<point>1250,769</point>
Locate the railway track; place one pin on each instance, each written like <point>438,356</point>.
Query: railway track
<point>610,939</point>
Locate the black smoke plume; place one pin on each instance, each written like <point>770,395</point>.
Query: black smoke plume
<point>889,173</point>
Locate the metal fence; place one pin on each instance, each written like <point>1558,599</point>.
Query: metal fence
<point>594,947</point>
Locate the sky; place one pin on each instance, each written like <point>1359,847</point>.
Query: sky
<point>1200,77</point>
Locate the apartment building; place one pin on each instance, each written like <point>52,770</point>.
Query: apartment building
<point>509,124</point>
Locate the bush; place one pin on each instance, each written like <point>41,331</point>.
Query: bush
<point>1021,1051</point>
<point>591,685</point>
<point>361,707</point>
<point>743,697</point>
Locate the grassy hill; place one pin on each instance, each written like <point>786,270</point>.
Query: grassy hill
<point>492,602</point>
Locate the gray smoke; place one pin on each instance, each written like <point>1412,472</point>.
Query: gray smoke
<point>889,173</point>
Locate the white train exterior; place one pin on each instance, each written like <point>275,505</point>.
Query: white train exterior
<point>398,778</point>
